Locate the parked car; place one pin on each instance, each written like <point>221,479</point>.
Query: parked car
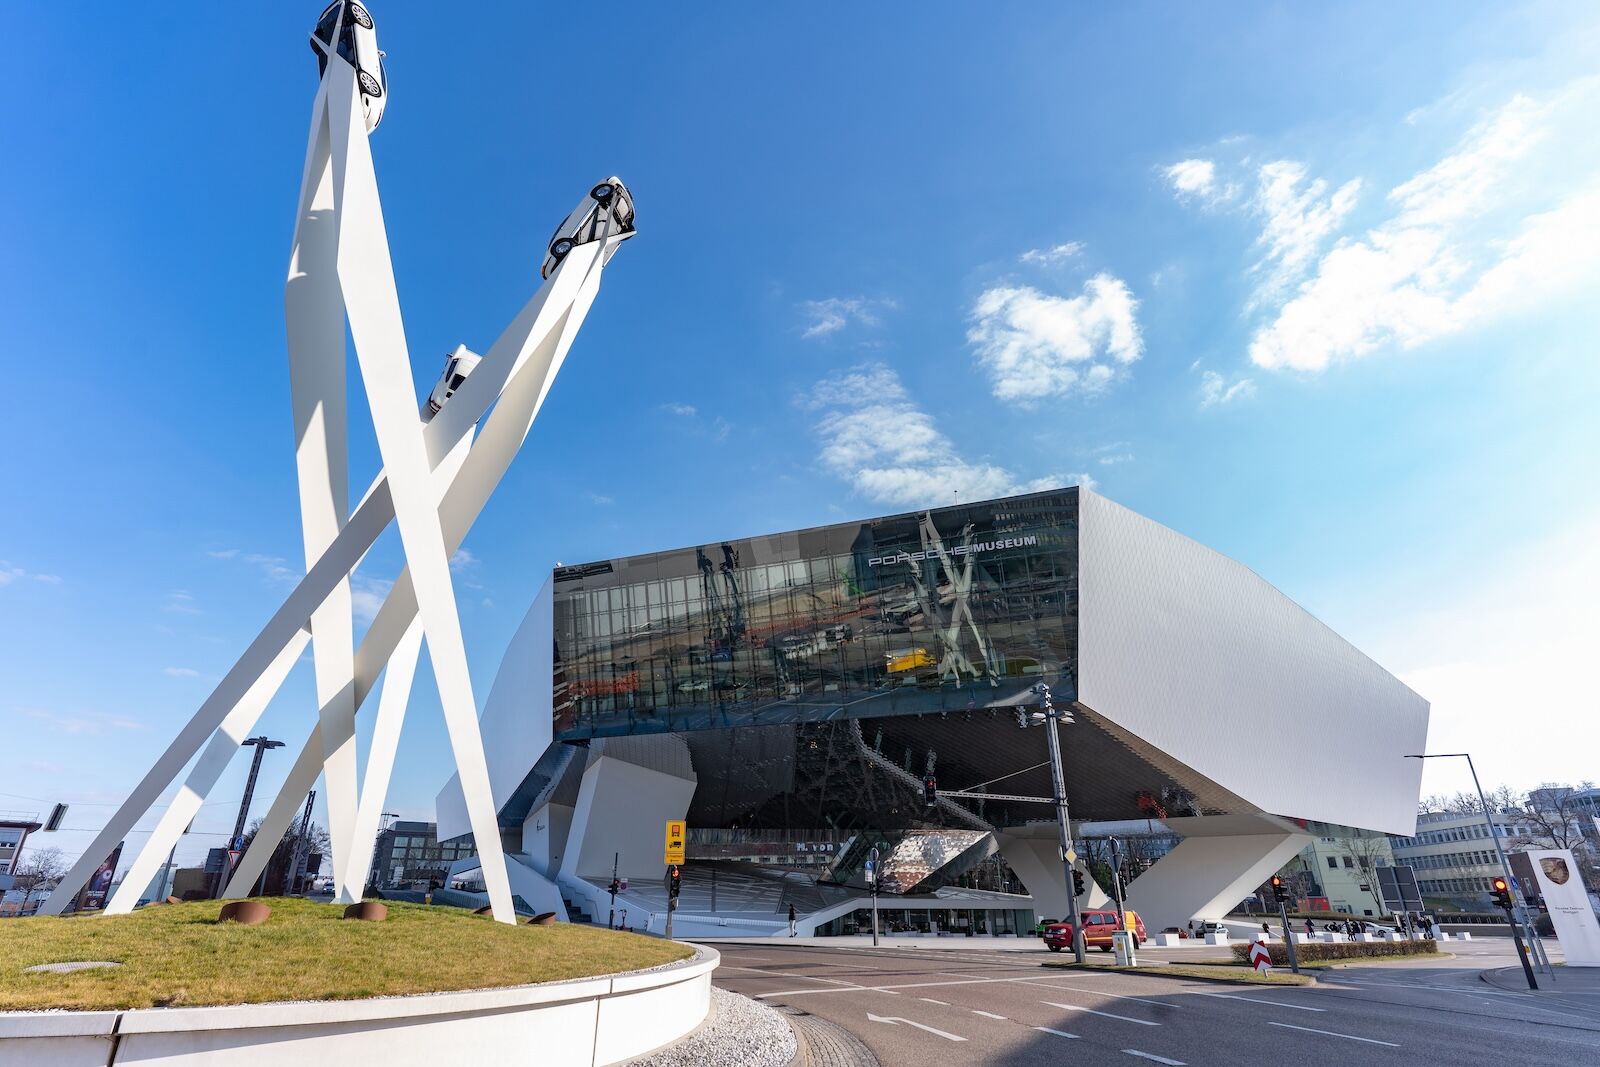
<point>345,29</point>
<point>605,212</point>
<point>457,365</point>
<point>1098,926</point>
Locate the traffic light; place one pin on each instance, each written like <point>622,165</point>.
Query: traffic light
<point>1502,892</point>
<point>930,790</point>
<point>1077,882</point>
<point>1280,892</point>
<point>674,882</point>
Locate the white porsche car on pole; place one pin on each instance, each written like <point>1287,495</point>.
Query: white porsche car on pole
<point>606,212</point>
<point>345,29</point>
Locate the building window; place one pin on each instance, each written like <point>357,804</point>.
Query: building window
<point>1333,863</point>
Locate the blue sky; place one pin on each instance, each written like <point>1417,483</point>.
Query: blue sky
<point>1313,285</point>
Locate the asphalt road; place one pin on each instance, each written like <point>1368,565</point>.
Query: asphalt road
<point>925,1007</point>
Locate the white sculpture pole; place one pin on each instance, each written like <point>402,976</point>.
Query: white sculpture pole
<point>314,317</point>
<point>436,481</point>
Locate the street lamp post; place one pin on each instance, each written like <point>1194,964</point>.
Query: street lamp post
<point>1505,863</point>
<point>1063,825</point>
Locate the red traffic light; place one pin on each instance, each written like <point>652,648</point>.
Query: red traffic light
<point>1277,882</point>
<point>1500,885</point>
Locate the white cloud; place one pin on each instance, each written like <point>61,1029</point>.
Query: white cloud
<point>1035,346</point>
<point>1053,254</point>
<point>601,500</point>
<point>686,411</point>
<point>876,438</point>
<point>1193,177</point>
<point>461,559</point>
<point>10,573</point>
<point>367,596</point>
<point>1299,218</point>
<point>1215,389</point>
<point>274,567</point>
<point>826,317</point>
<point>1447,258</point>
<point>180,672</point>
<point>87,722</point>
<point>1112,454</point>
<point>179,602</point>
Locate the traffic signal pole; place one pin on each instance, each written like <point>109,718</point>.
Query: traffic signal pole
<point>1288,942</point>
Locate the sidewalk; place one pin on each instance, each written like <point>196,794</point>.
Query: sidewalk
<point>1567,979</point>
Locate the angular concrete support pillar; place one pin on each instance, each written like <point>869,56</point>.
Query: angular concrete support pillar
<point>631,787</point>
<point>1220,861</point>
<point>1033,851</point>
<point>544,837</point>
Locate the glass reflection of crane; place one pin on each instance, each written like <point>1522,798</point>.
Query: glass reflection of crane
<point>724,602</point>
<point>954,662</point>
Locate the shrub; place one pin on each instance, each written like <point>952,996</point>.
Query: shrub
<point>1309,951</point>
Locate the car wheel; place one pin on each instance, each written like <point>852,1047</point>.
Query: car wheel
<point>369,84</point>
<point>1105,948</point>
<point>359,14</point>
<point>1055,948</point>
<point>603,192</point>
<point>561,247</point>
<point>1137,943</point>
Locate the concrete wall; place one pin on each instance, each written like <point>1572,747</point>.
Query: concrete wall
<point>630,788</point>
<point>516,719</point>
<point>1221,860</point>
<point>591,1022</point>
<point>1200,657</point>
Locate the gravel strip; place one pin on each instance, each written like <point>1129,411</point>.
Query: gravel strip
<point>738,1032</point>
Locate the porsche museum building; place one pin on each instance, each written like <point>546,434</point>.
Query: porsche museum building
<point>787,695</point>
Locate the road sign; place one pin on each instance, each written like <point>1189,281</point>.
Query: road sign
<point>1070,855</point>
<point>676,832</point>
<point>1260,958</point>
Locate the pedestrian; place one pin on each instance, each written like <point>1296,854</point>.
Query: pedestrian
<point>1191,930</point>
<point>1264,929</point>
<point>1310,929</point>
<point>792,931</point>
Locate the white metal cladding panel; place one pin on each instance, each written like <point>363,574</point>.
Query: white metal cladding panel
<point>1199,656</point>
<point>515,722</point>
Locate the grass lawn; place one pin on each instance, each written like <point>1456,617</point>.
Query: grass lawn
<point>178,955</point>
<point>1227,971</point>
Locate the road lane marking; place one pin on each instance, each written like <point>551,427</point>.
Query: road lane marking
<point>1330,1033</point>
<point>987,1014</point>
<point>1058,1033</point>
<point>895,1020</point>
<point>1107,1014</point>
<point>1232,996</point>
<point>1096,992</point>
<point>930,1000</point>
<point>1153,1056</point>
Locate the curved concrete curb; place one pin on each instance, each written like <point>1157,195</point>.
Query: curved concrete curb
<point>590,1022</point>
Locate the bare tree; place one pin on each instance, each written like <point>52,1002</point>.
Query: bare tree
<point>1551,816</point>
<point>272,879</point>
<point>1365,850</point>
<point>41,869</point>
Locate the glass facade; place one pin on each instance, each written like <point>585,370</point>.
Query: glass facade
<point>951,609</point>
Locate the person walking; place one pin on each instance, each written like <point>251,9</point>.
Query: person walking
<point>1310,928</point>
<point>792,931</point>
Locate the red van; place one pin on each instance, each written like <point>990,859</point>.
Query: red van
<point>1098,926</point>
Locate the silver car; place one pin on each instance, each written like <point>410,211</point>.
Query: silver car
<point>457,365</point>
<point>605,212</point>
<point>345,29</point>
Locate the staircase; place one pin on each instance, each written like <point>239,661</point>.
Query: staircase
<point>576,914</point>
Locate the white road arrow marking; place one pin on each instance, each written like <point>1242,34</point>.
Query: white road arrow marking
<point>1153,1056</point>
<point>920,1026</point>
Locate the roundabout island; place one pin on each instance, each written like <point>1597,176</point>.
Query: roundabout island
<point>173,985</point>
